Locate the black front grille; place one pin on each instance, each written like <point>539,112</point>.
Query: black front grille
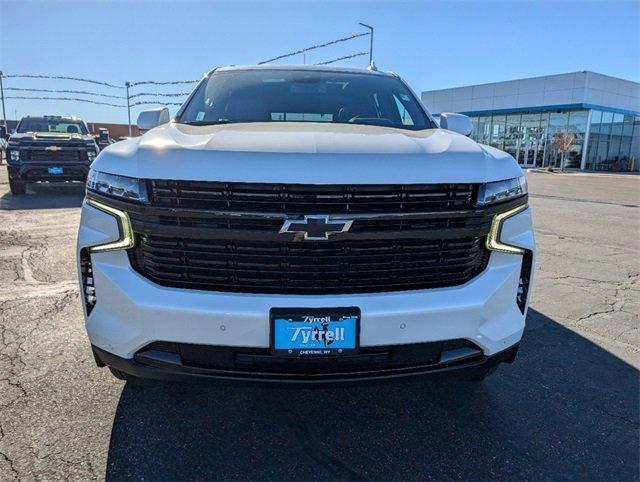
<point>226,237</point>
<point>53,156</point>
<point>311,199</point>
<point>220,221</point>
<point>309,267</point>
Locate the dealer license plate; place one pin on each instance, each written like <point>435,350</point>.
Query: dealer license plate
<point>314,331</point>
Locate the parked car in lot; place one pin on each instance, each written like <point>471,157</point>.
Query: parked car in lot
<point>49,148</point>
<point>3,142</point>
<point>304,225</point>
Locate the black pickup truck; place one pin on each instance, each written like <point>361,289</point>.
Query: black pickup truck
<point>49,148</point>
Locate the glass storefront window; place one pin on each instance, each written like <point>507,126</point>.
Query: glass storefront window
<point>594,137</point>
<point>634,151</point>
<point>627,126</point>
<point>625,148</point>
<point>578,127</point>
<point>474,131</point>
<point>603,149</point>
<point>605,125</point>
<point>616,126</point>
<point>614,148</point>
<point>544,129</point>
<point>512,134</point>
<point>484,129</point>
<point>527,136</point>
<point>497,131</point>
<point>558,122</point>
<point>610,142</point>
<point>531,139</point>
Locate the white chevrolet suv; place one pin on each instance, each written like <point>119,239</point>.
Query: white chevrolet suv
<point>304,225</point>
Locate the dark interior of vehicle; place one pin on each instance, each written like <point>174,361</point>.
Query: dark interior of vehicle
<point>305,96</point>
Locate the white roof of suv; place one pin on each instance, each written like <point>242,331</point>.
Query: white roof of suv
<point>315,68</point>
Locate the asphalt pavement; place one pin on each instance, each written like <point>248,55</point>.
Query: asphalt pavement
<point>568,408</point>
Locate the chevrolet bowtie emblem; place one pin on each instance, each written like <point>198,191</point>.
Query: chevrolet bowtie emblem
<point>53,148</point>
<point>315,228</point>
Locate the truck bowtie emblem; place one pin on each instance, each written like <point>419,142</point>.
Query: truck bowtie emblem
<point>315,228</point>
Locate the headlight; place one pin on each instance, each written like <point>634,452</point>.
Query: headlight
<point>122,187</point>
<point>493,192</point>
<point>15,155</point>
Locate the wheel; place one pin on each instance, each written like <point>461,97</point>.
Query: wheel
<point>120,375</point>
<point>17,187</point>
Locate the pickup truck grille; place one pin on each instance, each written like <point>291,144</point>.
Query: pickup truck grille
<point>311,199</point>
<point>225,237</point>
<point>54,157</point>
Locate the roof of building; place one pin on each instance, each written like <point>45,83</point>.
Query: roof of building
<point>574,90</point>
<point>586,72</point>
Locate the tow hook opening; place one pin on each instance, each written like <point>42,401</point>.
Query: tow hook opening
<point>88,286</point>
<point>525,280</point>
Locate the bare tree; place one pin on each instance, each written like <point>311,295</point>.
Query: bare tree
<point>561,141</point>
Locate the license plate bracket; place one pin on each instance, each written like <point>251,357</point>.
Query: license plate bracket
<point>319,332</point>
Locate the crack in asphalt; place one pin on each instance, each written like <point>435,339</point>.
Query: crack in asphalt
<point>9,461</point>
<point>615,302</point>
<point>13,337</point>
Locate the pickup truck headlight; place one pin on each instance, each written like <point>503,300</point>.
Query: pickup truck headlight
<point>494,192</point>
<point>120,187</point>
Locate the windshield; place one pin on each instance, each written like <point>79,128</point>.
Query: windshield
<point>51,125</point>
<point>304,96</point>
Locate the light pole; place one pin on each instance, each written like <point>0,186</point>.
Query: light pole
<point>370,42</point>
<point>4,115</point>
<point>127,85</point>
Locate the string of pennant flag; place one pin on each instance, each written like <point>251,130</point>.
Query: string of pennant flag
<point>23,92</point>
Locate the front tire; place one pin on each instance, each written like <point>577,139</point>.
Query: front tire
<point>17,188</point>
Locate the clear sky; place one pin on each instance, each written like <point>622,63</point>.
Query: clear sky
<point>431,44</point>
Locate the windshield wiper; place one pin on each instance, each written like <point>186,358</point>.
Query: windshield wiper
<point>208,123</point>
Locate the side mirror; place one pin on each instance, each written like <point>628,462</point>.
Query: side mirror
<point>459,123</point>
<point>148,119</point>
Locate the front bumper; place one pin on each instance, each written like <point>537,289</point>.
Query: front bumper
<point>132,312</point>
<point>159,365</point>
<point>36,171</point>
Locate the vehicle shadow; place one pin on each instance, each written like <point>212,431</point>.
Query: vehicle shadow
<point>567,409</point>
<point>55,195</point>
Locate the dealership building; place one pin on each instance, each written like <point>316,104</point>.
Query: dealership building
<point>595,116</point>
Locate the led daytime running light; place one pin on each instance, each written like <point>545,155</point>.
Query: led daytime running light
<point>493,239</point>
<point>127,240</point>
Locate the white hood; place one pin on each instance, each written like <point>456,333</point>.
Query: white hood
<point>306,153</point>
